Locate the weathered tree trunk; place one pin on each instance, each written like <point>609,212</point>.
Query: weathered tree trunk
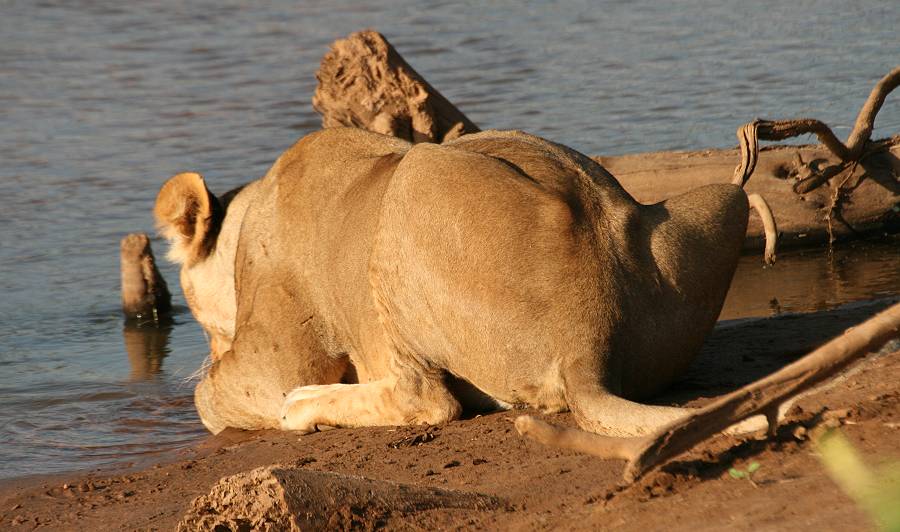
<point>144,291</point>
<point>364,82</point>
<point>817,193</point>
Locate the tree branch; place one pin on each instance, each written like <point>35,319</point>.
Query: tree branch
<point>783,129</point>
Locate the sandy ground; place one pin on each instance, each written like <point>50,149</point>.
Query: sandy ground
<point>538,487</point>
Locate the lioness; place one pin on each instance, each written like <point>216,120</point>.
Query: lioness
<point>366,281</point>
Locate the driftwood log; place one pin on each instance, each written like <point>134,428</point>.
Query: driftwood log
<point>818,194</point>
<point>867,202</point>
<point>144,291</point>
<point>365,83</point>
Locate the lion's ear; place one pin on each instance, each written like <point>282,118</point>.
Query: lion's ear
<point>189,216</point>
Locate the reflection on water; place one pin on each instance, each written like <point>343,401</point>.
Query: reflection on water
<point>64,414</point>
<point>802,281</point>
<point>101,101</point>
<point>147,344</point>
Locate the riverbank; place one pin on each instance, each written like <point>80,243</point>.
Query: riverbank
<point>533,486</point>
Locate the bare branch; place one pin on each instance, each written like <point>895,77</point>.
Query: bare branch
<point>771,229</point>
<point>865,121</point>
<point>748,140</point>
<point>783,129</point>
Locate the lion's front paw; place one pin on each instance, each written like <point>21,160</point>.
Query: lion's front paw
<point>301,411</point>
<point>293,419</point>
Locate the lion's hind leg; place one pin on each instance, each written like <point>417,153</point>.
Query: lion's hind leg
<point>404,400</point>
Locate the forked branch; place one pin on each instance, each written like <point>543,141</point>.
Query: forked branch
<point>749,134</point>
<point>761,397</point>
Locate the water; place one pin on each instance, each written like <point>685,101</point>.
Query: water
<point>812,280</point>
<point>99,103</point>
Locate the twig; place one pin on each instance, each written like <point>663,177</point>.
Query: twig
<point>769,226</point>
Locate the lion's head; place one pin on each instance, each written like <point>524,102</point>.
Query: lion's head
<point>202,230</point>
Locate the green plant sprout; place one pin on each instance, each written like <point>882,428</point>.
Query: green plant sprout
<point>875,492</point>
<point>739,474</point>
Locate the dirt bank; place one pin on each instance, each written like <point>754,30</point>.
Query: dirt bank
<point>535,487</point>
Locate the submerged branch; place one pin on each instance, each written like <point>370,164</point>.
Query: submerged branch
<point>144,291</point>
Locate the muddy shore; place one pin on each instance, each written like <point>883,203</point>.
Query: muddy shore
<point>533,486</point>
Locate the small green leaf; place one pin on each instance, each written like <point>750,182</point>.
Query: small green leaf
<point>753,467</point>
<point>736,473</point>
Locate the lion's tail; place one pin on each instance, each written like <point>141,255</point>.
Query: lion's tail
<point>610,415</point>
<point>602,413</point>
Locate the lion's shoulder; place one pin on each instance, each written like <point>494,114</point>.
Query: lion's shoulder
<point>334,147</point>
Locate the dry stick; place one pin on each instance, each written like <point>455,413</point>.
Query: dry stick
<point>771,229</point>
<point>748,140</point>
<point>833,209</point>
<point>761,397</point>
<point>813,182</point>
<point>749,135</point>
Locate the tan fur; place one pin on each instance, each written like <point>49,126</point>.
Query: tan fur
<point>498,269</point>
